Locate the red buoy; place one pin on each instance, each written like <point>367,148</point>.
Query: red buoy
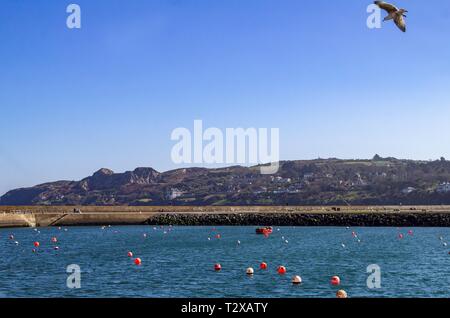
<point>137,261</point>
<point>130,254</point>
<point>218,236</point>
<point>217,267</point>
<point>36,244</point>
<point>400,236</point>
<point>281,270</point>
<point>263,265</point>
<point>54,239</point>
<point>335,280</point>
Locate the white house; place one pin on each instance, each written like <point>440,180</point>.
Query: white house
<point>174,193</point>
<point>443,187</point>
<point>408,190</point>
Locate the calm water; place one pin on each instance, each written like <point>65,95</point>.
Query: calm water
<point>179,261</point>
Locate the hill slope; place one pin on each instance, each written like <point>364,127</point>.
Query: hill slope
<point>383,181</point>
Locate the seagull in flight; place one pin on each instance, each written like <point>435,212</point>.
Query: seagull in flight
<point>394,13</point>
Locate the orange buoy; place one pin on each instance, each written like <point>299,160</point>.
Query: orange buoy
<point>217,267</point>
<point>137,261</point>
<point>250,271</point>
<point>263,265</point>
<point>36,244</point>
<point>296,280</point>
<point>130,254</point>
<point>341,294</point>
<point>335,280</point>
<point>281,270</point>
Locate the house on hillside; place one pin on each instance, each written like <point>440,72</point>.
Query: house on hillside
<point>174,193</point>
<point>443,187</point>
<point>408,190</point>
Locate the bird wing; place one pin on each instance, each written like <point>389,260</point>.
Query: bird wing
<point>400,22</point>
<point>386,6</point>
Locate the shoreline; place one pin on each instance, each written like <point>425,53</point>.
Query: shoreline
<point>376,216</point>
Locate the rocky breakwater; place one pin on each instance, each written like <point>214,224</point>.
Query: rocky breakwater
<point>421,219</point>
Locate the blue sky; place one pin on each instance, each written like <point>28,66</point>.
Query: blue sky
<point>110,94</point>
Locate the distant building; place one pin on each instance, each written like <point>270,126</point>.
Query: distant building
<point>359,180</point>
<point>293,189</point>
<point>174,193</point>
<point>443,187</point>
<point>259,190</point>
<point>281,179</point>
<point>408,190</point>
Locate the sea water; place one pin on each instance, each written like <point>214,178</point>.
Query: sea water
<point>179,261</point>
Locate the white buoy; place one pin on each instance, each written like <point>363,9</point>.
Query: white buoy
<point>296,280</point>
<point>341,294</point>
<point>250,271</point>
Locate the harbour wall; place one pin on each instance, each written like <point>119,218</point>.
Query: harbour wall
<point>435,216</point>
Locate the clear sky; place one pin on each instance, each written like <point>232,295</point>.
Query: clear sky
<point>110,94</point>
